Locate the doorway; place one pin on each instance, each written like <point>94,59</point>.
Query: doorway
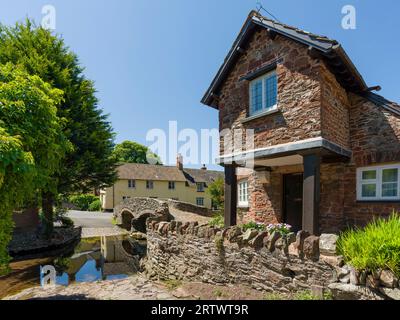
<point>293,200</point>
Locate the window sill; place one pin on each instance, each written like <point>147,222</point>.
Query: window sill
<point>243,206</point>
<point>260,115</point>
<point>379,201</point>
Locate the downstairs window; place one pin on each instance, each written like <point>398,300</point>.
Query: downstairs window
<point>378,183</point>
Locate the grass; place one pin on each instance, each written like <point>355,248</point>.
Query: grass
<point>218,293</point>
<point>172,284</point>
<point>377,246</point>
<point>300,295</point>
<point>219,243</point>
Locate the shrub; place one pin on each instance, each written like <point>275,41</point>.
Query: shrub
<point>67,222</point>
<point>377,246</point>
<point>217,221</point>
<point>253,226</point>
<point>83,201</point>
<point>95,205</point>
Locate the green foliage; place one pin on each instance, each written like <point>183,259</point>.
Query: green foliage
<point>216,192</point>
<point>133,152</point>
<point>89,163</point>
<point>172,284</point>
<point>377,246</point>
<point>217,221</point>
<point>282,228</point>
<point>95,205</point>
<point>32,143</point>
<point>305,295</point>
<point>253,226</point>
<point>83,201</point>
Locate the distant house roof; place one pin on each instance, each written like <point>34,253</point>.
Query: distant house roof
<point>199,175</point>
<point>337,59</point>
<point>136,171</point>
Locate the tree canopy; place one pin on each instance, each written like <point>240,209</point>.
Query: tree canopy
<point>216,192</point>
<point>32,143</point>
<point>133,152</point>
<point>88,164</point>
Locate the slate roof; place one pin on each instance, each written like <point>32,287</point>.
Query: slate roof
<point>329,49</point>
<point>136,171</point>
<point>198,175</point>
<point>382,102</point>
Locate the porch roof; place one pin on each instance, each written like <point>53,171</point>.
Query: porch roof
<point>302,147</point>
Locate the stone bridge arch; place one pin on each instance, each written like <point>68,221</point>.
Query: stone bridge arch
<point>131,214</point>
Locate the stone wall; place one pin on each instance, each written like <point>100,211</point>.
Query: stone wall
<point>261,260</point>
<point>334,110</point>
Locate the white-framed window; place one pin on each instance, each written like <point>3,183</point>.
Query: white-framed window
<point>149,184</point>
<point>243,194</point>
<point>171,185</point>
<point>200,186</point>
<point>378,183</point>
<point>263,93</point>
<point>131,184</point>
<point>200,202</point>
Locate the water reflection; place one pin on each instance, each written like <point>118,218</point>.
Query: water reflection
<point>94,259</point>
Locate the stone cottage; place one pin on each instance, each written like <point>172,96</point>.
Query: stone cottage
<point>326,147</point>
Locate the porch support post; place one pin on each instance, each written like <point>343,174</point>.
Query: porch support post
<point>311,192</point>
<point>230,195</point>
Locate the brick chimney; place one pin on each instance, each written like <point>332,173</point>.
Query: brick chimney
<point>179,162</point>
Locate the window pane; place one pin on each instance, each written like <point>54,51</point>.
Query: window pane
<point>389,189</point>
<point>270,91</point>
<point>256,96</point>
<point>369,175</point>
<point>369,190</point>
<point>389,175</point>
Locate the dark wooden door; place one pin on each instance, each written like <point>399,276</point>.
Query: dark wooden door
<point>293,200</point>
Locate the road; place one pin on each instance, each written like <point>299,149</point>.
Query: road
<point>86,219</point>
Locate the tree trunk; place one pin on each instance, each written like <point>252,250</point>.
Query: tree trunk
<point>48,214</point>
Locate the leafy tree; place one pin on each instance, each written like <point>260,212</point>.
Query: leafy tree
<point>216,192</point>
<point>32,143</point>
<point>133,152</point>
<point>88,164</point>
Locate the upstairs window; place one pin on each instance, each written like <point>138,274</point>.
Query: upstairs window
<point>200,186</point>
<point>171,185</point>
<point>264,93</point>
<point>131,184</point>
<point>378,183</point>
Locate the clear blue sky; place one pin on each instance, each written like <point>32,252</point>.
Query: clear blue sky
<point>153,60</point>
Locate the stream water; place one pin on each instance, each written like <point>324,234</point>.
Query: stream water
<point>93,259</point>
